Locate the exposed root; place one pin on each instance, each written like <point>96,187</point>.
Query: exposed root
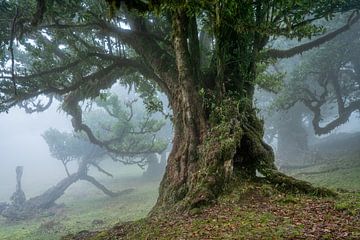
<point>290,184</point>
<point>263,156</point>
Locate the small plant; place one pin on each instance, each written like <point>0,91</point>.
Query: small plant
<point>289,199</point>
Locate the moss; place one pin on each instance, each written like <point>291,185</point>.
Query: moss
<point>231,121</point>
<point>236,134</point>
<point>181,193</point>
<point>290,184</point>
<point>350,203</point>
<point>101,235</point>
<point>289,199</point>
<point>195,211</point>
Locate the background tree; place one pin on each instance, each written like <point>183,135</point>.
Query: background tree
<point>290,124</point>
<point>131,137</point>
<point>327,82</point>
<point>76,51</point>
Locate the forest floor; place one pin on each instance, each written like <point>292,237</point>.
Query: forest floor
<point>85,207</point>
<point>251,211</point>
<point>258,211</point>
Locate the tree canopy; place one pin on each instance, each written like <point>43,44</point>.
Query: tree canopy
<point>327,82</point>
<point>124,134</point>
<point>203,55</point>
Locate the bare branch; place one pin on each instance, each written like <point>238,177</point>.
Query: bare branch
<point>342,118</point>
<point>101,169</point>
<point>276,53</point>
<point>65,167</point>
<point>99,186</point>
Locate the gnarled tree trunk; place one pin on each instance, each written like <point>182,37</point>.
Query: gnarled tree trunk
<point>214,144</point>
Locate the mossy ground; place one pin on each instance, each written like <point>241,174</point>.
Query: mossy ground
<point>251,211</point>
<point>342,173</point>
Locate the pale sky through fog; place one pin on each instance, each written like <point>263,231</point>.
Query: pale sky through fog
<point>21,144</point>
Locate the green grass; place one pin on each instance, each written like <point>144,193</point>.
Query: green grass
<point>251,211</point>
<point>346,175</point>
<point>82,205</point>
<point>348,179</point>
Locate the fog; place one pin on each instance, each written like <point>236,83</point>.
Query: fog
<point>21,144</point>
<point>248,111</point>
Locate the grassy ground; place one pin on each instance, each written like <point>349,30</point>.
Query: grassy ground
<point>343,173</point>
<point>257,211</point>
<point>86,208</point>
<point>252,211</point>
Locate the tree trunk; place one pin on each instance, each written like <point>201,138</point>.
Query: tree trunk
<point>18,198</point>
<point>200,167</point>
<point>155,169</point>
<point>41,202</point>
<point>214,144</point>
<point>25,209</point>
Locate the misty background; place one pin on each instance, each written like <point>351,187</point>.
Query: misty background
<point>21,144</point>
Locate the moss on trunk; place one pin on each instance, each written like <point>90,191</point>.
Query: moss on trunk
<point>233,146</point>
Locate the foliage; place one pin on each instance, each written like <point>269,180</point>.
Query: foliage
<point>77,51</point>
<point>61,68</point>
<point>327,82</point>
<point>130,136</point>
<point>67,147</point>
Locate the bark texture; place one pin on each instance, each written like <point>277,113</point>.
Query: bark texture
<point>215,143</point>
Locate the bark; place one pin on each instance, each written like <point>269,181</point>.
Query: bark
<point>189,122</point>
<point>212,146</point>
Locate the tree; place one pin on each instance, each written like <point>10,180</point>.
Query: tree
<point>327,82</point>
<point>133,134</point>
<point>202,54</point>
<point>130,138</point>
